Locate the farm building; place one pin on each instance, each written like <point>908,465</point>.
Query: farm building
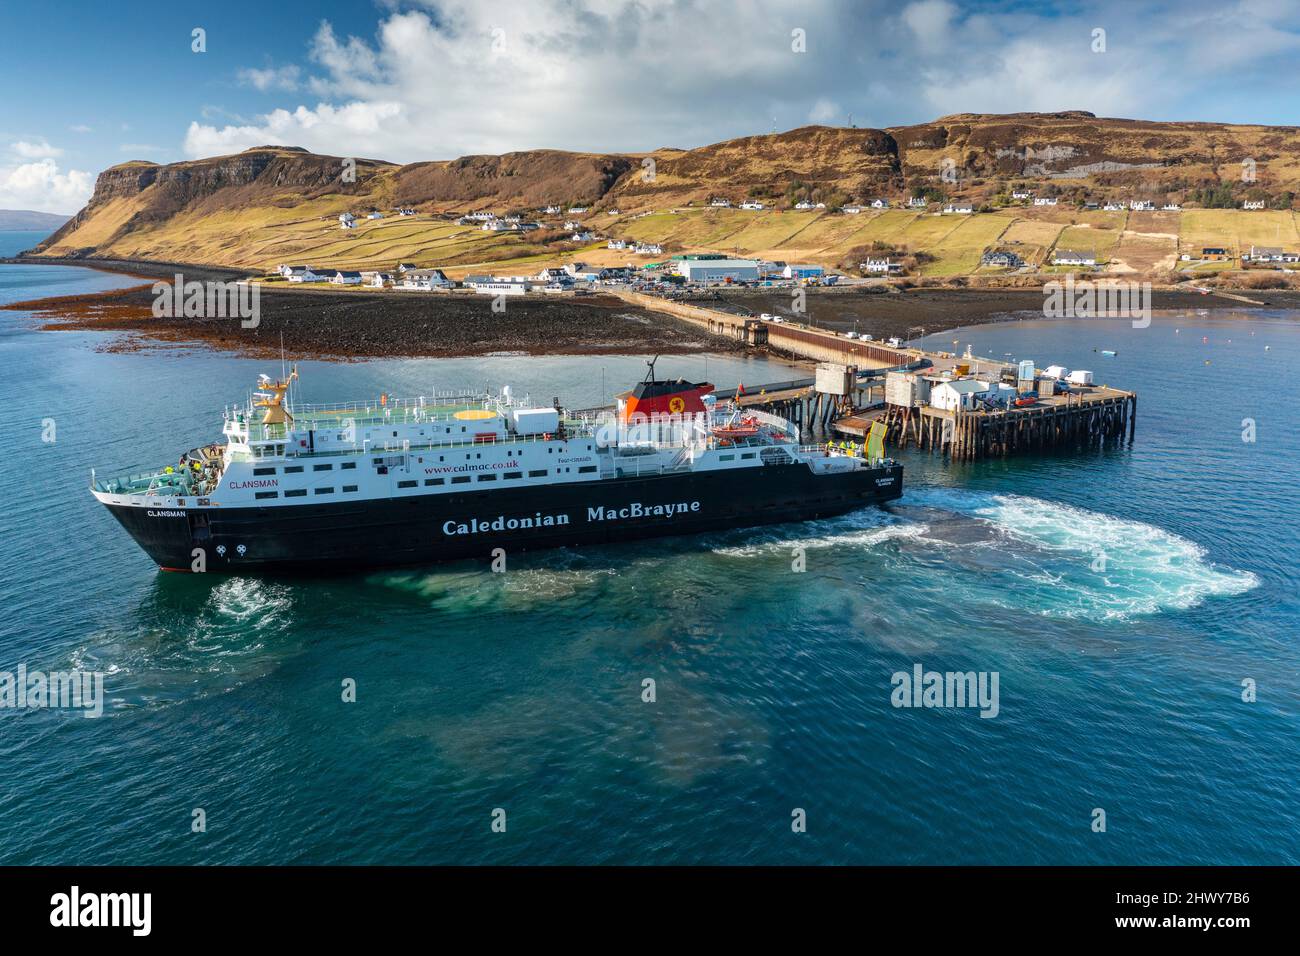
<point>802,272</point>
<point>1069,257</point>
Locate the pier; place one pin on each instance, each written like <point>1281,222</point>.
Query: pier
<point>850,392</point>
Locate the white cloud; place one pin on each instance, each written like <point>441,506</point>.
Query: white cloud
<point>26,149</point>
<point>480,76</point>
<point>80,128</point>
<point>43,187</point>
<point>272,78</point>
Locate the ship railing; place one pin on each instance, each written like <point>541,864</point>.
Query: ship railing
<point>405,446</point>
<point>634,468</point>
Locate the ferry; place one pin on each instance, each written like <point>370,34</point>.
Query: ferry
<point>452,476</point>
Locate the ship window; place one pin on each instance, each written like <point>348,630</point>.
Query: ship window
<point>324,491</point>
<point>394,434</point>
<point>293,469</point>
<point>512,474</point>
<point>322,467</point>
<point>348,464</point>
<point>585,469</point>
<point>726,458</point>
<point>748,454</point>
<point>296,493</point>
<point>407,484</point>
<point>460,480</point>
<point>433,481</point>
<point>550,451</point>
<point>376,461</point>
<point>347,488</point>
<point>487,477</point>
<point>263,471</point>
<point>539,473</point>
<point>267,494</point>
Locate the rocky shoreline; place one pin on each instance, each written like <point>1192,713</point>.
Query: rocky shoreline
<point>356,323</point>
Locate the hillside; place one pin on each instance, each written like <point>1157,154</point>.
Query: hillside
<point>274,204</point>
<point>24,220</point>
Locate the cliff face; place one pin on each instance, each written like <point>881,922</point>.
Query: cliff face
<point>281,201</point>
<point>1079,147</point>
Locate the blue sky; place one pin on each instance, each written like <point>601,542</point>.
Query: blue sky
<point>91,84</point>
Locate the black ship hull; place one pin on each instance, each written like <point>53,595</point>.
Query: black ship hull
<point>445,527</point>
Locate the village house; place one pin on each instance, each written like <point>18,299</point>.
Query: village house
<point>552,276</point>
<point>287,271</point>
<point>1215,253</point>
<point>552,210</point>
<point>958,208</point>
<point>720,203</point>
<point>493,285</point>
<point>1022,194</point>
<point>1142,205</point>
<point>616,244</point>
<point>583,237</point>
<point>406,266</point>
<point>1001,259</point>
<point>305,274</point>
<point>881,266</point>
<point>648,249</point>
<point>347,217</point>
<point>375,214</point>
<point>1070,257</point>
<point>405,211</point>
<point>1253,204</point>
<point>342,277</point>
<point>572,225</point>
<point>917,202</point>
<point>851,210</point>
<point>1045,201</point>
<point>804,204</point>
<point>1114,207</point>
<point>752,204</point>
<point>880,204</point>
<point>376,280</point>
<point>1171,207</point>
<point>1270,254</point>
<point>577,210</point>
<point>423,280</point>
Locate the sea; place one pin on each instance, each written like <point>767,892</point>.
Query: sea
<point>731,698</point>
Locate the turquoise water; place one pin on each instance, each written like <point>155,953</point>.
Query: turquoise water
<point>1120,688</point>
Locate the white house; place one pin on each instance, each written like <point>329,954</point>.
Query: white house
<point>958,208</point>
<point>405,211</point>
<point>572,225</point>
<point>577,210</point>
<point>1113,207</point>
<point>342,277</point>
<point>1253,204</point>
<point>305,274</point>
<point>288,271</point>
<point>1022,194</point>
<point>616,244</point>
<point>881,266</point>
<point>880,204</point>
<point>720,203</point>
<point>752,204</point>
<point>347,217</point>
<point>424,280</point>
<point>1142,205</point>
<point>406,266</point>
<point>648,249</point>
<point>376,214</point>
<point>377,280</point>
<point>583,237</point>
<point>917,202</point>
<point>1069,257</point>
<point>488,285</point>
<point>957,394</point>
<point>347,223</point>
<point>851,210</point>
<point>1045,201</point>
<point>613,212</point>
<point>552,210</point>
<point>1172,207</point>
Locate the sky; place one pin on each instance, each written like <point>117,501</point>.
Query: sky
<point>89,84</point>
